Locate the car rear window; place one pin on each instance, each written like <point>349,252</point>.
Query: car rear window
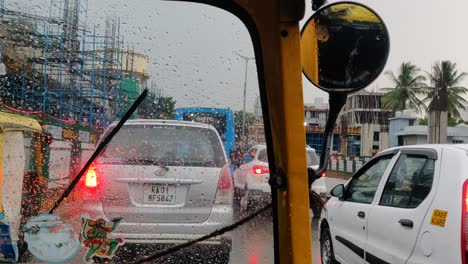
<point>312,159</point>
<point>165,145</point>
<point>262,155</point>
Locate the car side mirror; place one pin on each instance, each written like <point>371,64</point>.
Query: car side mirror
<point>338,191</point>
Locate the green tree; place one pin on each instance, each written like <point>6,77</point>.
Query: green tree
<point>423,121</point>
<point>444,98</point>
<point>407,86</point>
<point>445,92</point>
<point>451,122</point>
<point>157,107</point>
<point>238,121</point>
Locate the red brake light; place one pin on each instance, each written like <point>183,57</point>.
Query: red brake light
<point>225,193</point>
<point>464,249</point>
<point>257,169</point>
<point>91,178</point>
<point>225,181</point>
<point>323,174</point>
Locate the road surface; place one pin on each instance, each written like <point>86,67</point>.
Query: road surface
<point>253,242</point>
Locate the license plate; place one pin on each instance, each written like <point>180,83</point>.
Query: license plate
<point>159,194</point>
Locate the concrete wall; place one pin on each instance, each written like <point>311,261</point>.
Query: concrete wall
<point>395,126</point>
<point>383,141</point>
<point>366,139</point>
<point>458,138</point>
<point>414,140</point>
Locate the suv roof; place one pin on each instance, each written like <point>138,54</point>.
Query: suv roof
<point>164,122</point>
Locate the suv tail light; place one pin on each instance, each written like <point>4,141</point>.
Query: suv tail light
<point>91,178</point>
<point>225,186</point>
<point>257,169</point>
<point>464,235</point>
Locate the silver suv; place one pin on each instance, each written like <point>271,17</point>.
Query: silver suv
<point>169,181</point>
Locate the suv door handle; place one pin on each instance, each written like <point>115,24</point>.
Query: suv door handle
<point>361,214</point>
<point>406,222</point>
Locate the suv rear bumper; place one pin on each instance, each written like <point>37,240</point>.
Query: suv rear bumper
<point>168,233</point>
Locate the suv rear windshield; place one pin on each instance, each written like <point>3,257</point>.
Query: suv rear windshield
<point>165,145</point>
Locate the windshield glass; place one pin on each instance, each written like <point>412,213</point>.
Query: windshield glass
<point>72,68</point>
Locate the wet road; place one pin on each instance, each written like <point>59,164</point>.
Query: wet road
<point>253,242</point>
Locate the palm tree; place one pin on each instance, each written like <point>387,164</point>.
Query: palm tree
<point>408,85</point>
<point>445,98</point>
<point>446,91</point>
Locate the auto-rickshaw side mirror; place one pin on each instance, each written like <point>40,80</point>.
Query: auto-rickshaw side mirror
<point>344,48</point>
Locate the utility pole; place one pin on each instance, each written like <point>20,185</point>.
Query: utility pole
<point>247,59</point>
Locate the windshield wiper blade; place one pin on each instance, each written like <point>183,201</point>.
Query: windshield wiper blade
<point>100,148</point>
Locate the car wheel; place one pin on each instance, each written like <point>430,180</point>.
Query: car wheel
<point>244,202</point>
<point>326,248</point>
<point>237,200</point>
<point>316,204</point>
<point>248,205</point>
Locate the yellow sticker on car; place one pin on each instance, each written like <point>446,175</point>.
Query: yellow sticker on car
<point>439,217</point>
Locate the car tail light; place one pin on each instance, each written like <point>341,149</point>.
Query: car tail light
<point>464,244</point>
<point>257,169</point>
<point>225,186</point>
<point>323,174</point>
<point>91,178</point>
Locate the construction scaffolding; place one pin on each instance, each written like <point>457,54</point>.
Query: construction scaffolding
<point>57,66</point>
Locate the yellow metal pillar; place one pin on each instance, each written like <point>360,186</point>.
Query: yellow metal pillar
<point>277,24</point>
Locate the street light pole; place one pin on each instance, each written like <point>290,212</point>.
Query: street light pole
<point>247,59</point>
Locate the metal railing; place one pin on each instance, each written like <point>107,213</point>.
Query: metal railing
<point>347,164</point>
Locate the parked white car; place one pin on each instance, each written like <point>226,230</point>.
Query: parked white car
<point>406,205</point>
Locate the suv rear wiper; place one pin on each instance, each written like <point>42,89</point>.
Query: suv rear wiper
<point>147,161</point>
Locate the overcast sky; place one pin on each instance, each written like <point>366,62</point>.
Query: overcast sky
<point>191,46</point>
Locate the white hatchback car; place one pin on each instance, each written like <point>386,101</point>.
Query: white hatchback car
<point>251,179</point>
<point>405,205</point>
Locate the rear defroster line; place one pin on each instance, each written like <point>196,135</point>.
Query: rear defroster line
<point>215,233</point>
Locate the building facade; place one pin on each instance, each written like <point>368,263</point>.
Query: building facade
<point>405,131</point>
<point>363,113</point>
